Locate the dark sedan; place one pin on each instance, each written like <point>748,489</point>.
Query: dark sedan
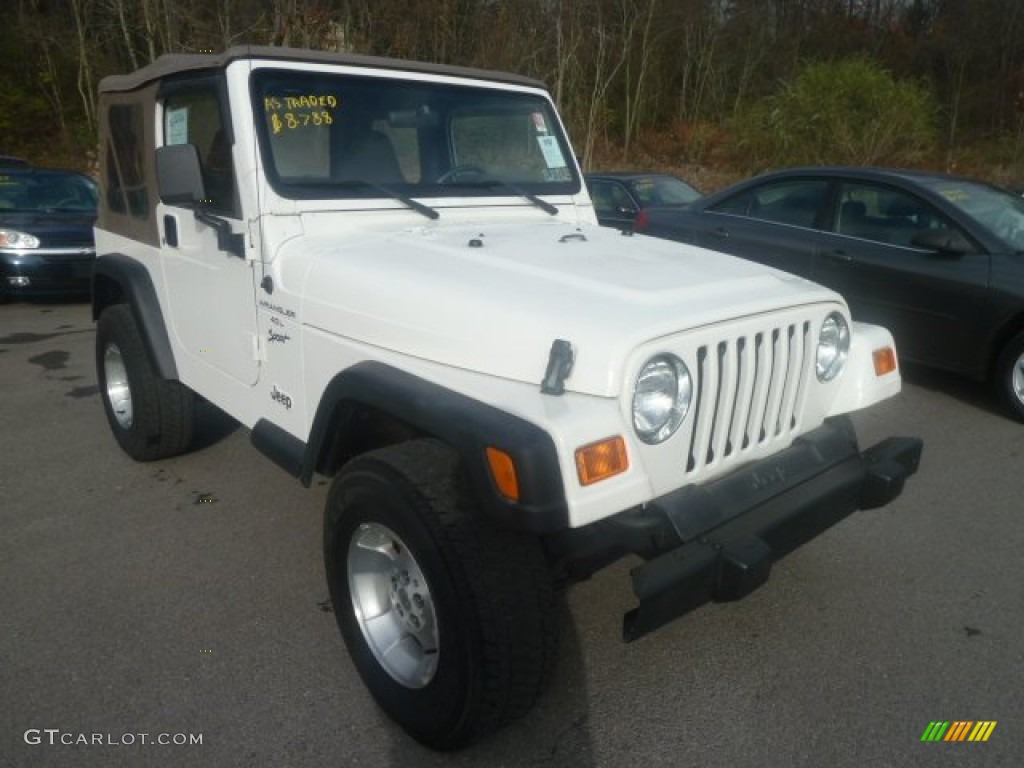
<point>937,259</point>
<point>46,239</point>
<point>619,197</point>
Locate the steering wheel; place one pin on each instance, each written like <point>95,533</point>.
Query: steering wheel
<point>453,173</point>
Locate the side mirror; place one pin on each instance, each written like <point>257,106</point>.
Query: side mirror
<point>179,177</point>
<point>947,242</point>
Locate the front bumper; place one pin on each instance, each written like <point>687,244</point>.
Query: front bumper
<point>717,542</point>
<point>66,271</point>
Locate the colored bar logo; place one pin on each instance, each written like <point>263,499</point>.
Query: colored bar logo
<point>958,730</point>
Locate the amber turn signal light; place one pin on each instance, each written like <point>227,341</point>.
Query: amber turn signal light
<point>503,470</point>
<point>885,360</point>
<point>601,460</point>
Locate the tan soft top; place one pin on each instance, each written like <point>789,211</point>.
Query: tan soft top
<point>174,63</point>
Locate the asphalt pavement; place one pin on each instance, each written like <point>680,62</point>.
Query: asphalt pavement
<point>175,613</point>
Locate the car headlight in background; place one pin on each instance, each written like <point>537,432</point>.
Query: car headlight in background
<point>11,238</point>
<point>661,398</point>
<point>833,347</point>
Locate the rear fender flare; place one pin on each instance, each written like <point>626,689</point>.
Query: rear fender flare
<point>121,279</point>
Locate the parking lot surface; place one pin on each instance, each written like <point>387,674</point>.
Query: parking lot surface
<point>175,613</point>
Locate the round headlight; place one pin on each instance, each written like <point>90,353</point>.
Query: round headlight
<point>11,238</point>
<point>661,398</point>
<point>833,347</point>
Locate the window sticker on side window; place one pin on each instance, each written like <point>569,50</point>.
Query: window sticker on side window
<point>177,126</point>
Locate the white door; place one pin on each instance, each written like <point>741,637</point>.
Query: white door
<point>211,290</point>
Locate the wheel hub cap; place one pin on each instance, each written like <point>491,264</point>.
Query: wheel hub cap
<point>119,394</point>
<point>1018,378</point>
<point>392,603</point>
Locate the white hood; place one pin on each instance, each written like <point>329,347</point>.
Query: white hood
<point>495,307</point>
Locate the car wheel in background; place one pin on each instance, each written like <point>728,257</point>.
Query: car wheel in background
<point>1010,375</point>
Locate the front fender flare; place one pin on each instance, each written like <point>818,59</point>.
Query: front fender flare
<point>469,426</point>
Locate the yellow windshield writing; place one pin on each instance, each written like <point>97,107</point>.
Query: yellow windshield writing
<point>291,113</point>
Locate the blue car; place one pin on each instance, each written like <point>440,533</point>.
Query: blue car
<point>46,238</point>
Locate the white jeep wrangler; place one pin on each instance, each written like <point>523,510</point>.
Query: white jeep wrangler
<point>391,273</point>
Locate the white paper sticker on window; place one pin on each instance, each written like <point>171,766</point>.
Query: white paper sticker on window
<point>552,152</point>
<point>177,126</point>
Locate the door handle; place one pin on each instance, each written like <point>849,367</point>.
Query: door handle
<point>720,233</point>
<point>839,255</point>
<point>170,231</point>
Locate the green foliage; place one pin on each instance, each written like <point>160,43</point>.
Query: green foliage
<point>848,112</point>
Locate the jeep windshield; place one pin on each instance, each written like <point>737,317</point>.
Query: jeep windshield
<point>346,136</point>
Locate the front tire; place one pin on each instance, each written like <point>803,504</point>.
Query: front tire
<point>151,418</point>
<point>449,620</point>
<point>1010,375</point>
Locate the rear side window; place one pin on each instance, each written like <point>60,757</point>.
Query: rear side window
<point>125,182</point>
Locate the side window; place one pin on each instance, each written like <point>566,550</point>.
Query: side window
<point>601,195</point>
<point>125,182</point>
<point>792,201</point>
<point>742,204</point>
<point>885,214</point>
<point>194,117</point>
<point>621,198</point>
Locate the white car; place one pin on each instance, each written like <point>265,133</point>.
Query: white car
<point>392,274</point>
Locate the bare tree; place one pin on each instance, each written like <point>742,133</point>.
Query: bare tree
<point>637,64</point>
<point>81,12</point>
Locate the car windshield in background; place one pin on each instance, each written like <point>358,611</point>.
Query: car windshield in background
<point>997,210</point>
<point>347,136</point>
<point>663,190</point>
<point>41,191</point>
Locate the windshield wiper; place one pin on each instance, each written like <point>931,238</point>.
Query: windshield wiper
<point>544,205</point>
<point>417,206</point>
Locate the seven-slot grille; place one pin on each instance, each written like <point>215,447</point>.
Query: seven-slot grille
<point>748,391</point>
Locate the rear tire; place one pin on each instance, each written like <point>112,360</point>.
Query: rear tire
<point>449,620</point>
<point>1010,375</point>
<point>151,418</point>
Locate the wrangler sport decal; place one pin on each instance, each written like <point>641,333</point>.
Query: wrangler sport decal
<point>273,337</point>
<point>277,309</point>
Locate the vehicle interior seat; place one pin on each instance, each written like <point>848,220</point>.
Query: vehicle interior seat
<point>369,156</point>
<point>853,218</point>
